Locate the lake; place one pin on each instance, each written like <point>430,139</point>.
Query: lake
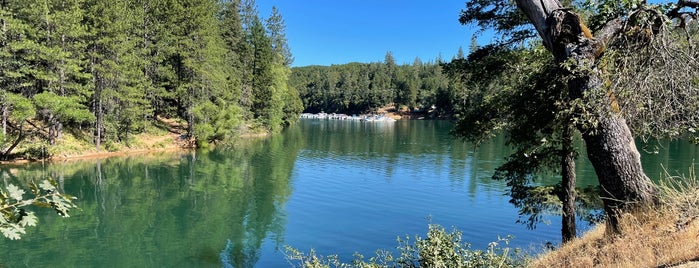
<point>336,186</point>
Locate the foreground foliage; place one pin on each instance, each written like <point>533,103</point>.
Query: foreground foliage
<point>15,218</point>
<point>439,249</point>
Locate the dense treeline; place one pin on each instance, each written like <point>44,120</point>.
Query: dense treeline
<point>107,69</point>
<point>364,87</point>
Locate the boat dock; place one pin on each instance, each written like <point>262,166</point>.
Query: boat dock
<point>334,116</point>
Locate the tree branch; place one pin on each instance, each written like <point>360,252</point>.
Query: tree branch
<point>689,3</point>
<point>675,12</point>
<point>608,31</point>
<point>538,13</point>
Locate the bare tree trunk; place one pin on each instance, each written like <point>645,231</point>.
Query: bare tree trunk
<point>97,98</point>
<point>99,115</point>
<point>190,120</point>
<point>568,229</point>
<point>4,120</point>
<point>4,107</point>
<point>59,130</point>
<point>610,145</point>
<point>19,139</point>
<point>52,130</point>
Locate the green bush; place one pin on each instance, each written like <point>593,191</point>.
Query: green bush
<point>37,151</point>
<point>111,146</point>
<point>439,249</point>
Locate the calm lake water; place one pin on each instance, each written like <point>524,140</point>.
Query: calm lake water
<point>338,187</point>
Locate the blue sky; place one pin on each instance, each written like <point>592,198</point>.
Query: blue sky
<point>325,32</point>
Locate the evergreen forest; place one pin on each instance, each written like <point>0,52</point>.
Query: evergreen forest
<point>356,88</point>
<point>107,70</point>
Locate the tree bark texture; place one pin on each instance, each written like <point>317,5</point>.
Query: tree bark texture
<point>610,145</point>
<point>568,177</point>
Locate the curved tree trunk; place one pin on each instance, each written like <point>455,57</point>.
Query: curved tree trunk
<point>610,146</point>
<point>20,137</point>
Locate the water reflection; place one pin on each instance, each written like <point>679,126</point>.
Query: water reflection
<point>335,186</point>
<point>671,157</point>
<point>163,210</point>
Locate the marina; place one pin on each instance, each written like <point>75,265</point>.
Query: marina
<point>334,116</point>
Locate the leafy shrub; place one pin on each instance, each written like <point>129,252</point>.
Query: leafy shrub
<point>439,249</point>
<point>111,146</point>
<point>37,151</point>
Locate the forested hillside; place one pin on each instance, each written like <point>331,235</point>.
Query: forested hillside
<point>105,70</point>
<point>355,88</point>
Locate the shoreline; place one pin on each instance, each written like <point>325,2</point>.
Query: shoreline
<point>95,155</point>
<point>174,146</point>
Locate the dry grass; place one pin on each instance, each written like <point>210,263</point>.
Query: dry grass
<point>665,236</point>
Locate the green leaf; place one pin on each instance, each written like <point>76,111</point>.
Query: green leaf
<point>15,192</point>
<point>47,186</point>
<point>61,205</point>
<point>29,220</point>
<point>12,231</point>
<point>35,189</point>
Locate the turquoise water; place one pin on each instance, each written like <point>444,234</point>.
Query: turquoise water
<point>338,187</point>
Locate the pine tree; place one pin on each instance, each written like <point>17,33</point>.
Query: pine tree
<point>245,51</point>
<point>460,54</point>
<point>10,32</point>
<point>117,64</point>
<point>263,92</point>
<point>276,30</point>
<point>201,79</point>
<point>228,121</point>
<point>55,37</point>
<point>157,39</point>
<point>233,38</point>
<point>473,46</point>
<point>406,86</point>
